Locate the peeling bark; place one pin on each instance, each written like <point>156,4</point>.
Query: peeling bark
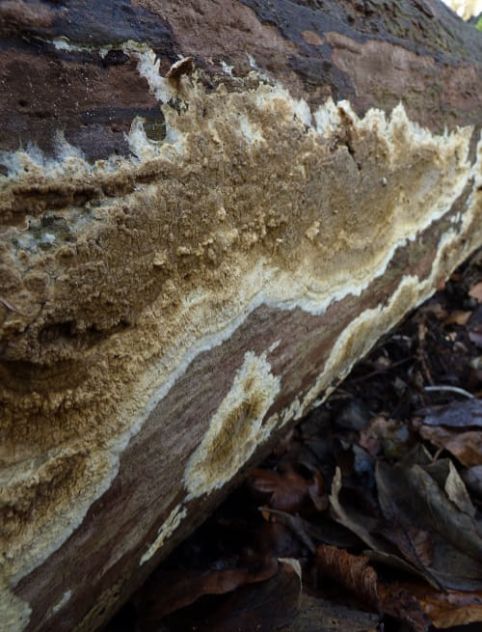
<point>192,255</point>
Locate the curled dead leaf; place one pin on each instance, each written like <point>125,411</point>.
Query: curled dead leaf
<point>288,491</point>
<point>351,571</point>
<point>354,573</point>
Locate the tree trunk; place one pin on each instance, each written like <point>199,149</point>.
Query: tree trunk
<point>210,209</point>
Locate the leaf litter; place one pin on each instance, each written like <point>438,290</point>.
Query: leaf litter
<point>367,517</point>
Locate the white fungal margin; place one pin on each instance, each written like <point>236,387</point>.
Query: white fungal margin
<point>236,429</point>
<point>166,530</point>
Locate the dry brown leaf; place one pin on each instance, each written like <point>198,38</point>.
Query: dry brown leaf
<point>354,573</point>
<point>476,292</point>
<point>418,604</point>
<point>458,317</point>
<point>288,491</point>
<point>351,571</point>
<point>465,446</point>
<point>445,609</point>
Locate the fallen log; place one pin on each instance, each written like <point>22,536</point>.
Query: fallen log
<point>209,212</point>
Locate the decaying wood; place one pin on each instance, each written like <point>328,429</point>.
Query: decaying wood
<point>194,252</point>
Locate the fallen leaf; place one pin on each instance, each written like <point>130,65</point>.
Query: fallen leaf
<point>362,525</point>
<point>458,317</point>
<point>351,571</point>
<point>414,498</point>
<point>446,609</point>
<point>168,591</point>
<point>456,490</point>
<point>461,414</point>
<point>355,574</point>
<point>412,540</point>
<point>371,531</point>
<point>288,491</point>
<point>295,523</point>
<point>465,446</point>
<point>418,604</point>
<point>476,292</point>
<point>277,539</point>
<point>473,479</point>
<point>476,338</point>
<point>269,606</point>
<point>326,531</point>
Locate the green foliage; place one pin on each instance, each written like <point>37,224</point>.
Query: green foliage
<point>478,24</point>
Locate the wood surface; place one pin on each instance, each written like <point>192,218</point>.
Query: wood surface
<point>209,210</point>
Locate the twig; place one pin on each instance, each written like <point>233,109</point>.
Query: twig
<point>449,389</point>
<point>422,356</point>
<point>437,454</point>
<point>376,372</point>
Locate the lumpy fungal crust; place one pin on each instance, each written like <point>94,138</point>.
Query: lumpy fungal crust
<point>116,275</point>
<point>236,428</point>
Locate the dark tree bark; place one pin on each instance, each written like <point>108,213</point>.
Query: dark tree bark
<point>210,210</point>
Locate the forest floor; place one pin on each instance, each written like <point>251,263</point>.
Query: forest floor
<point>368,516</point>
